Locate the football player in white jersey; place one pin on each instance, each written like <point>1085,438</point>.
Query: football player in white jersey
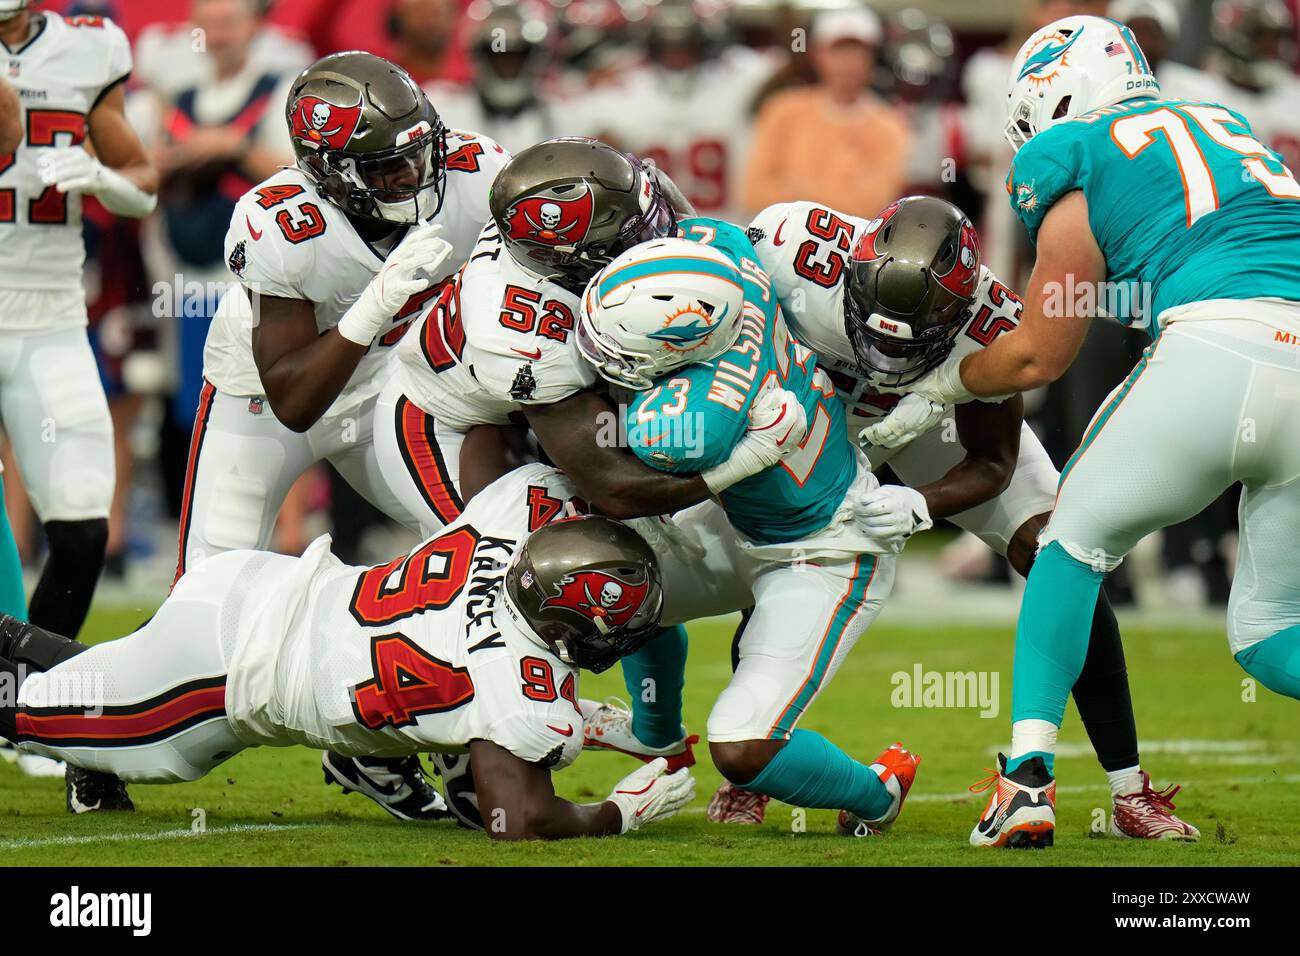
<point>471,644</point>
<point>689,107</point>
<point>69,74</point>
<point>383,203</point>
<point>497,347</point>
<point>882,302</point>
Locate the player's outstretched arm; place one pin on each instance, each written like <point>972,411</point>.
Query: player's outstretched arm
<point>580,432</point>
<point>1044,345</point>
<point>990,433</point>
<point>517,800</point>
<point>576,433</point>
<point>301,370</point>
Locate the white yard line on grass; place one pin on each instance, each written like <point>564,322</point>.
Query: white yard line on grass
<point>235,828</point>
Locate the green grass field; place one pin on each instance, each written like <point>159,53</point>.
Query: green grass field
<point>1238,761</point>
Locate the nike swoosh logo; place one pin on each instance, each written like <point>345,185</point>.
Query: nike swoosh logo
<point>251,231</point>
<point>566,732</point>
<point>637,793</point>
<point>776,237</point>
<point>654,439</point>
<point>535,354</point>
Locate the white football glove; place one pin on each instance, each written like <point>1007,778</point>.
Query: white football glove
<point>651,794</point>
<point>893,513</point>
<point>777,424</point>
<point>70,169</point>
<point>408,270</point>
<point>911,418</point>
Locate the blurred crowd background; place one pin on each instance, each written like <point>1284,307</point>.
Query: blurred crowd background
<point>744,103</point>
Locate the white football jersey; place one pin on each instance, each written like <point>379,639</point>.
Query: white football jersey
<point>60,75</point>
<point>416,655</point>
<point>695,128</point>
<point>805,248</point>
<point>287,240</point>
<point>497,339</point>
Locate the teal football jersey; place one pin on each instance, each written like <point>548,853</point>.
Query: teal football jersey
<point>692,418</point>
<point>1184,202</point>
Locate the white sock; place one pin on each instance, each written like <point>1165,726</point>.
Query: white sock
<point>1029,736</point>
<point>1128,780</point>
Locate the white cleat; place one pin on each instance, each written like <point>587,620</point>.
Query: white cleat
<point>34,765</point>
<point>608,726</point>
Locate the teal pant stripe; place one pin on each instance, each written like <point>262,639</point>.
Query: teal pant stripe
<point>848,607</point>
<point>1107,412</point>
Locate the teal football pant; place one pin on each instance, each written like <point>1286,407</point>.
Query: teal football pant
<point>13,600</point>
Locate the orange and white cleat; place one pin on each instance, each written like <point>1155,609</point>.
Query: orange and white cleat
<point>896,768</point>
<point>1021,812</point>
<point>730,804</point>
<point>608,726</point>
<point>1149,815</point>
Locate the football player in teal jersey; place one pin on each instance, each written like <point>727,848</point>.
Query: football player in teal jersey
<point>1170,215</point>
<point>693,327</point>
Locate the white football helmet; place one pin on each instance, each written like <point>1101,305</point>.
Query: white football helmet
<point>11,8</point>
<point>659,306</point>
<point>1071,67</point>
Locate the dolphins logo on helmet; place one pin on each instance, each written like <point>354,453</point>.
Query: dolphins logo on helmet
<point>1050,53</point>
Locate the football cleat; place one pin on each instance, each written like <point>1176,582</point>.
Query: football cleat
<point>458,785</point>
<point>1149,815</point>
<point>1021,812</point>
<point>34,765</point>
<point>90,791</point>
<point>730,804</point>
<point>608,726</point>
<point>395,783</point>
<point>896,768</point>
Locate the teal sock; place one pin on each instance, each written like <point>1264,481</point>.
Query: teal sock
<point>1051,638</point>
<point>1275,662</point>
<point>655,676</point>
<point>810,771</point>
<point>13,599</point>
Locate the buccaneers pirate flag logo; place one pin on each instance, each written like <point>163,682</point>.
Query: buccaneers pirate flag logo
<point>610,601</point>
<point>552,220</point>
<point>323,125</point>
<point>960,279</point>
